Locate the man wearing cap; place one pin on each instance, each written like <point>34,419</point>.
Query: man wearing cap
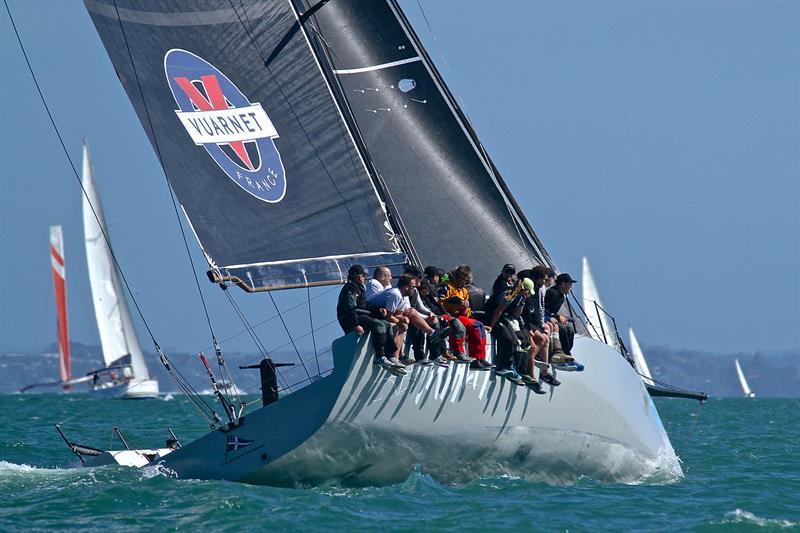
<point>505,280</point>
<point>513,341</point>
<point>354,315</point>
<point>553,302</point>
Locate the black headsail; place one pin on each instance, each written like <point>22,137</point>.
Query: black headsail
<point>251,139</point>
<point>454,204</point>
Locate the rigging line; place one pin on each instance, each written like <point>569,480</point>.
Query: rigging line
<point>311,321</point>
<point>313,146</point>
<point>164,169</point>
<point>290,335</point>
<point>253,335</point>
<point>694,424</point>
<point>478,143</point>
<point>75,173</point>
<point>275,349</point>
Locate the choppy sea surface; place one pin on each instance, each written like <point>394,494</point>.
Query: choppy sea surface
<point>741,460</point>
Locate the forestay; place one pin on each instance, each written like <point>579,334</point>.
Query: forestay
<point>251,139</point>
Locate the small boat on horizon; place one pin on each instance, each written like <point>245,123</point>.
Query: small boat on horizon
<point>748,393</point>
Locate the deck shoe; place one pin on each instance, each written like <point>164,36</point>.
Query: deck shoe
<point>442,361</point>
<point>541,365</point>
<point>535,387</point>
<point>424,361</point>
<point>550,379</point>
<point>560,359</point>
<point>571,367</point>
<point>408,361</point>
<point>476,364</point>
<point>485,364</point>
<point>463,358</point>
<point>513,377</point>
<point>502,371</point>
<point>395,362</point>
<point>527,379</point>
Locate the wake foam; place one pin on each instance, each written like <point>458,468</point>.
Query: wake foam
<point>742,516</point>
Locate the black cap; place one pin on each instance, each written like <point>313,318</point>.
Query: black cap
<point>565,278</point>
<point>508,267</point>
<point>355,270</point>
<point>412,270</point>
<point>431,271</point>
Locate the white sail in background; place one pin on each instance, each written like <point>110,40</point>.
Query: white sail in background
<point>743,382</point>
<point>638,356</point>
<point>117,333</point>
<point>600,323</point>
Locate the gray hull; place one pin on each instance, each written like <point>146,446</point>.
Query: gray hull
<point>362,425</point>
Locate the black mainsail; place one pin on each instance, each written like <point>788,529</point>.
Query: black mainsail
<point>301,137</point>
<point>448,192</point>
<point>251,139</point>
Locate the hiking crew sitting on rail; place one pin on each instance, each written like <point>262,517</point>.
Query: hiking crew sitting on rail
<point>565,326</point>
<point>454,297</point>
<point>540,330</point>
<point>381,280</point>
<point>415,338</point>
<point>395,302</point>
<point>353,313</point>
<point>513,356</point>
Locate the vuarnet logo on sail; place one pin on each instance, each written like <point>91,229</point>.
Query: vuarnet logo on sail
<point>236,133</point>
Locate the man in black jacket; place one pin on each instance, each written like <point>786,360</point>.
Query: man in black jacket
<point>553,301</point>
<point>354,315</point>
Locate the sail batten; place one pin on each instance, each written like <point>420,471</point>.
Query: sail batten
<point>250,138</point>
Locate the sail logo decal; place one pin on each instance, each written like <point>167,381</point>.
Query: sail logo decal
<point>237,133</point>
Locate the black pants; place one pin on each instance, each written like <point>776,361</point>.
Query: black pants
<point>415,338</point>
<point>382,335</point>
<point>507,342</point>
<point>566,333</point>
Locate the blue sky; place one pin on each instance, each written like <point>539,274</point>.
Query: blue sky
<point>660,139</point>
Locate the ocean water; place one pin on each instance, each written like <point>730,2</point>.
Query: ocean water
<point>741,460</point>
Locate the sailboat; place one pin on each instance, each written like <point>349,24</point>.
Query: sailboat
<point>596,316</point>
<point>638,357</point>
<point>58,268</point>
<point>743,381</point>
<point>302,138</point>
<point>125,374</point>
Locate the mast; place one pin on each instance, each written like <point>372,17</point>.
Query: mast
<point>57,266</point>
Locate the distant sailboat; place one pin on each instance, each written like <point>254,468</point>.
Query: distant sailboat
<point>638,357</point>
<point>743,382</point>
<point>600,328</point>
<point>60,287</point>
<point>58,268</point>
<point>125,374</point>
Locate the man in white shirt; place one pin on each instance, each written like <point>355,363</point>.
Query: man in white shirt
<point>381,280</point>
<point>395,301</point>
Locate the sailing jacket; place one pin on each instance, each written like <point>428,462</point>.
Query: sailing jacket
<point>553,300</point>
<point>449,290</point>
<point>351,304</point>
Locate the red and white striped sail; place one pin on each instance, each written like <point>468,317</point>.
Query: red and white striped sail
<point>60,287</point>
